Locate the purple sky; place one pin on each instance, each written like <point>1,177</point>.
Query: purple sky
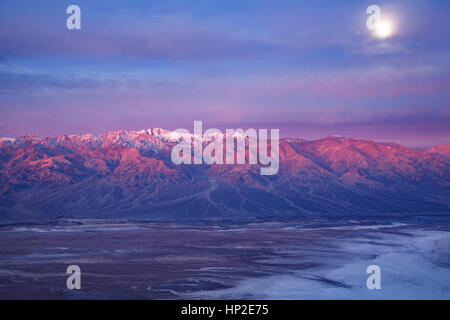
<point>309,69</point>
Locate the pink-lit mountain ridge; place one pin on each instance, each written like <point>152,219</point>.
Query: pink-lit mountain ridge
<point>129,174</point>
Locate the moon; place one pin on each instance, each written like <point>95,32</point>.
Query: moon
<point>384,29</point>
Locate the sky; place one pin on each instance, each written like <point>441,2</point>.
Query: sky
<point>308,68</point>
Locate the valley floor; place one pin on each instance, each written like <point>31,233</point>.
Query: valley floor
<point>267,260</point>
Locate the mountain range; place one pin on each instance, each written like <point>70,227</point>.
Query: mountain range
<point>129,174</point>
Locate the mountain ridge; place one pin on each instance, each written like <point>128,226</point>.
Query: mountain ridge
<point>129,174</point>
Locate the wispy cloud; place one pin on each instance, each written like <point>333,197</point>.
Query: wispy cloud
<point>166,63</point>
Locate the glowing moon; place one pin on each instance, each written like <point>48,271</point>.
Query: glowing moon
<point>384,29</point>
